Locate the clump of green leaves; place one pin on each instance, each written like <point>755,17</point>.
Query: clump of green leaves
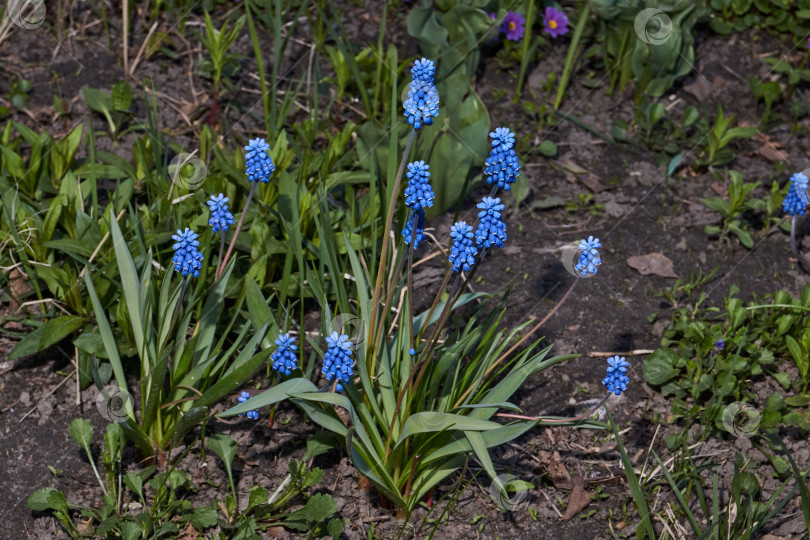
<point>114,107</point>
<point>733,209</point>
<point>217,42</point>
<point>152,504</point>
<point>657,56</point>
<point>759,340</point>
<point>718,150</point>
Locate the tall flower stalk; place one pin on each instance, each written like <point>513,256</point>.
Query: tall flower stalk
<point>258,168</point>
<point>795,204</point>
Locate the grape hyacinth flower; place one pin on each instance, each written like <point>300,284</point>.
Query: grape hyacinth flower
<point>243,397</point>
<point>512,26</point>
<point>555,21</point>
<point>419,193</point>
<point>422,103</point>
<point>221,218</point>
<point>502,166</point>
<point>423,70</point>
<point>187,258</point>
<point>419,216</point>
<point>284,360</point>
<point>720,344</point>
<point>337,362</point>
<point>463,250</point>
<point>616,380</point>
<point>589,259</point>
<point>491,228</point>
<point>258,164</point>
<point>796,200</point>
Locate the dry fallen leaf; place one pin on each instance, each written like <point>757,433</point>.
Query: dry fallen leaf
<point>556,469</point>
<point>653,263</point>
<point>591,181</point>
<point>701,88</point>
<point>578,499</point>
<point>770,150</point>
<point>188,533</point>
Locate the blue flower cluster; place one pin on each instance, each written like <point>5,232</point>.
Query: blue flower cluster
<point>423,70</point>
<point>422,104</point>
<point>187,258</point>
<point>502,166</point>
<point>243,397</point>
<point>337,362</point>
<point>419,217</point>
<point>589,259</point>
<point>419,193</point>
<point>284,360</point>
<point>463,250</point>
<point>796,200</point>
<point>491,228</point>
<point>258,165</point>
<point>220,218</point>
<point>616,380</point>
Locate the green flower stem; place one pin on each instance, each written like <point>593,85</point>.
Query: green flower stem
<point>179,300</point>
<point>410,283</point>
<point>433,306</point>
<point>793,235</point>
<point>221,250</point>
<point>546,420</point>
<point>223,263</point>
<point>520,342</point>
<point>384,250</point>
<point>524,52</point>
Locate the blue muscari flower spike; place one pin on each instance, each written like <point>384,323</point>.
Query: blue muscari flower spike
<point>284,360</point>
<point>589,259</point>
<point>720,344</point>
<point>616,380</point>
<point>422,104</point>
<point>243,397</point>
<point>221,218</point>
<point>419,193</point>
<point>502,167</point>
<point>463,251</point>
<point>423,70</point>
<point>187,258</point>
<point>258,164</point>
<point>796,200</point>
<point>491,228</point>
<point>419,216</point>
<point>337,362</point>
<point>502,138</point>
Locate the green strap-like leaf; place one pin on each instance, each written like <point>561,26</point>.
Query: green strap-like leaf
<point>429,422</point>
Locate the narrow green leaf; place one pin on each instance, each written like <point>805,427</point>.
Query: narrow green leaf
<point>47,335</point>
<point>428,422</point>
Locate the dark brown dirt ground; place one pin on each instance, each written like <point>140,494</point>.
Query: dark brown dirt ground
<point>606,314</point>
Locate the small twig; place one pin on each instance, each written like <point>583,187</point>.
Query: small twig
<point>141,50</point>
